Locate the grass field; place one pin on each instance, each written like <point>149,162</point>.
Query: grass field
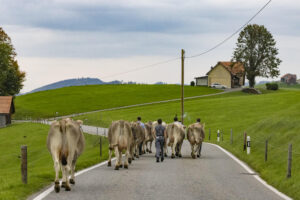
<point>78,99</point>
<point>40,165</point>
<point>274,115</point>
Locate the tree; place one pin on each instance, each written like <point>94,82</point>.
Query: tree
<point>256,50</point>
<point>11,78</point>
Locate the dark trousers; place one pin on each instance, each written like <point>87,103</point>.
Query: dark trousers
<point>159,145</point>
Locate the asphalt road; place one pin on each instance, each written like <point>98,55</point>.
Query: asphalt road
<point>214,176</point>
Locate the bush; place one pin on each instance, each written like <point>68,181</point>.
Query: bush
<point>272,86</point>
<point>192,83</point>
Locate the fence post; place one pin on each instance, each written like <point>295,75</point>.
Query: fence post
<point>218,136</point>
<point>266,151</point>
<point>248,145</point>
<point>289,169</point>
<point>245,137</point>
<point>24,163</point>
<point>100,146</point>
<point>209,135</point>
<point>231,137</point>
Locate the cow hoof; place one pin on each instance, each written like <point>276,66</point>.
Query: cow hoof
<point>180,155</point>
<point>56,187</point>
<point>132,158</point>
<point>63,184</point>
<point>150,151</point>
<point>129,160</point>
<point>147,150</point>
<point>121,166</point>
<point>109,164</point>
<point>125,166</point>
<point>72,181</point>
<point>177,154</point>
<point>173,156</point>
<point>116,167</point>
<point>68,188</point>
<point>193,156</point>
<point>198,156</point>
<point>166,155</point>
<point>144,152</point>
<point>137,156</point>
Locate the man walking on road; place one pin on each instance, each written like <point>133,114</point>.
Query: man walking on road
<point>160,133</point>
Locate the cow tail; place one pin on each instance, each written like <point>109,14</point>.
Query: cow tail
<point>64,151</point>
<point>171,139</point>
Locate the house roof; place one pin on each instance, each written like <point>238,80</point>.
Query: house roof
<point>233,68</point>
<point>6,103</point>
<point>289,75</point>
<point>201,77</point>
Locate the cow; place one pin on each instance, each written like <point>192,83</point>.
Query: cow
<point>65,142</point>
<point>176,134</point>
<point>139,138</point>
<point>120,138</point>
<point>154,124</point>
<point>196,135</point>
<point>149,137</point>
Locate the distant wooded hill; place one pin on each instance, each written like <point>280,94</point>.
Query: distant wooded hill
<point>74,82</point>
<point>82,81</point>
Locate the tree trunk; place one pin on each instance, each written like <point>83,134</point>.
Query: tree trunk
<point>251,79</point>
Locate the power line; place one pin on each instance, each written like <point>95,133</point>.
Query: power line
<point>237,31</point>
<point>141,68</point>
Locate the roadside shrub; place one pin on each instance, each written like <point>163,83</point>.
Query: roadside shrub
<point>272,86</point>
<point>192,83</point>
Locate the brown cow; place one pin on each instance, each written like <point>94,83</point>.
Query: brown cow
<point>176,134</point>
<point>196,135</point>
<point>139,138</point>
<point>120,138</point>
<point>149,137</point>
<point>65,142</point>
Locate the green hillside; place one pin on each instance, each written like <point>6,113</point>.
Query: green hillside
<point>77,99</point>
<point>40,165</point>
<point>274,115</point>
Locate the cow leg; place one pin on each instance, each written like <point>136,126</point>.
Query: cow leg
<point>179,149</point>
<point>72,179</point>
<point>117,158</point>
<point>120,159</point>
<point>150,147</point>
<point>126,158</point>
<point>65,172</point>
<point>56,168</point>
<point>174,148</point>
<point>165,148</point>
<point>109,157</point>
<point>199,151</point>
<point>137,149</point>
<point>193,153</point>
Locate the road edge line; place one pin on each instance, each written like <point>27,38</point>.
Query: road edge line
<point>248,169</point>
<point>50,189</point>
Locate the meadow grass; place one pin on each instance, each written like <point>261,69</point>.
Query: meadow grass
<point>78,99</point>
<point>40,165</point>
<point>274,115</point>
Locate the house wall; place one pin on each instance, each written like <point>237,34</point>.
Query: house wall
<point>2,121</point>
<point>219,75</point>
<point>202,81</point>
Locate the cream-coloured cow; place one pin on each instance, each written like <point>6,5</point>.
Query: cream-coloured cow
<point>164,124</point>
<point>176,134</point>
<point>196,135</point>
<point>65,142</point>
<point>139,138</point>
<point>149,137</point>
<point>120,138</point>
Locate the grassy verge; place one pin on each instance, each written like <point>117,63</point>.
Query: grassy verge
<point>274,115</point>
<point>78,99</point>
<point>40,165</point>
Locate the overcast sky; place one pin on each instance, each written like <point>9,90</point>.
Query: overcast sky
<point>62,39</point>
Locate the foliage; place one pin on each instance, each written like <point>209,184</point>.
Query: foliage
<point>11,78</point>
<point>273,114</point>
<point>256,50</point>
<point>40,165</point>
<point>193,83</point>
<point>79,99</point>
<point>272,86</point>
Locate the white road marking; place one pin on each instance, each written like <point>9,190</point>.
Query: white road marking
<point>49,190</point>
<point>248,169</point>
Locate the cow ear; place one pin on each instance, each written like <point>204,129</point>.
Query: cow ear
<point>79,122</point>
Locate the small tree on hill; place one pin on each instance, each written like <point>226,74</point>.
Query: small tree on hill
<point>192,83</point>
<point>11,78</point>
<point>256,50</point>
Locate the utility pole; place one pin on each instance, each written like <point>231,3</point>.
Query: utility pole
<point>182,84</point>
